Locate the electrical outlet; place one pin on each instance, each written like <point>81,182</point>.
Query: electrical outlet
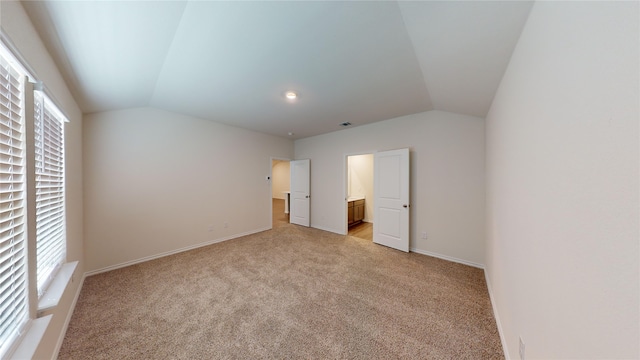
<point>521,348</point>
<point>226,225</point>
<point>210,228</point>
<point>424,234</point>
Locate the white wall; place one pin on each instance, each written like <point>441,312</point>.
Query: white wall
<point>447,178</point>
<point>360,181</point>
<point>156,181</point>
<point>280,178</point>
<point>562,184</point>
<point>18,27</point>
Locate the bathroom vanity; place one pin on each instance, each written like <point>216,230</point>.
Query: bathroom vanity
<point>355,209</point>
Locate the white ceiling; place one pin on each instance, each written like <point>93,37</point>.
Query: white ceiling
<point>231,62</point>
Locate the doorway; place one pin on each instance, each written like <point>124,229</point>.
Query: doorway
<point>359,196</point>
<point>280,186</point>
<point>387,207</point>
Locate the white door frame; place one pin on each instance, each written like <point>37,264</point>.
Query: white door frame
<point>345,185</point>
<point>270,182</point>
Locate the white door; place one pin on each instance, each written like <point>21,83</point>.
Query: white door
<point>300,194</point>
<point>391,199</point>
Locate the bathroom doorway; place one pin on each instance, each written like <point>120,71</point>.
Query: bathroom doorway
<point>280,186</point>
<point>359,196</point>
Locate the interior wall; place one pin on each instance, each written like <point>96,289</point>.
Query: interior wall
<point>280,178</point>
<point>562,185</point>
<point>16,24</point>
<point>158,182</point>
<point>360,181</point>
<point>447,178</point>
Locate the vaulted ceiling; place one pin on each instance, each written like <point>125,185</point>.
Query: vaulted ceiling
<point>232,61</point>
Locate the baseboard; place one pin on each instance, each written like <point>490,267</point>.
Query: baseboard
<point>448,258</point>
<point>505,349</point>
<point>339,232</point>
<point>172,252</point>
<point>68,319</point>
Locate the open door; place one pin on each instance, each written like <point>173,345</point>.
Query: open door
<point>300,194</point>
<point>391,194</point>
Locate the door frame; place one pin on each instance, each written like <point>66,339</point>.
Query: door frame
<point>270,182</point>
<point>345,184</point>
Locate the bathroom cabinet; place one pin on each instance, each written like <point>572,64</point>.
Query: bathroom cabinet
<point>355,210</point>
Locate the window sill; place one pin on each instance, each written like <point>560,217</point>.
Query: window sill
<point>54,292</point>
<point>31,339</point>
<point>37,327</point>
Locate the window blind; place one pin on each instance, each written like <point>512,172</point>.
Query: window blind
<point>14,312</point>
<point>49,175</point>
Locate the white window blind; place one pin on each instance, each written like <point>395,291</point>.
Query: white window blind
<point>14,312</point>
<point>49,175</point>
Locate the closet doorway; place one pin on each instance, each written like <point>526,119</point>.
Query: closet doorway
<point>280,186</point>
<point>359,196</point>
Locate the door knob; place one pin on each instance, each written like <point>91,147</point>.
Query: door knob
<point>307,196</point>
<point>405,206</point>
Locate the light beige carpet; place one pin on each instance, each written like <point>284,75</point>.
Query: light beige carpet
<point>291,292</point>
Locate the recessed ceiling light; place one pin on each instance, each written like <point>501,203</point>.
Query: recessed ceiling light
<point>291,95</point>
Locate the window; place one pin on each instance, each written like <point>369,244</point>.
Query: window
<point>49,173</point>
<point>32,207</point>
<point>13,278</point>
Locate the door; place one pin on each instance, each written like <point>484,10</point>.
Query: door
<point>391,194</point>
<point>300,194</point>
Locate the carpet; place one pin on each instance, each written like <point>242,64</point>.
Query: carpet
<point>287,293</point>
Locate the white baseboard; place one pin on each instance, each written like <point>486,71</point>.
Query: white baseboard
<point>339,232</point>
<point>172,252</point>
<point>72,308</point>
<point>448,258</point>
<point>505,349</point>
